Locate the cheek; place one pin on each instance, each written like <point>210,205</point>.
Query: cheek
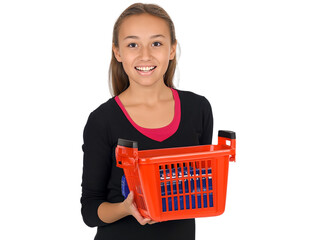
<point>127,68</point>
<point>165,55</point>
<point>164,59</point>
<point>127,60</point>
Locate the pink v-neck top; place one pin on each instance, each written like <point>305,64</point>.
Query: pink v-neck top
<point>158,134</point>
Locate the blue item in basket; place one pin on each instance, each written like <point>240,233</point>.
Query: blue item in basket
<point>187,186</point>
<point>124,186</point>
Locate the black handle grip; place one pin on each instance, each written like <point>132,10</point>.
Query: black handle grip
<point>227,134</point>
<point>127,143</point>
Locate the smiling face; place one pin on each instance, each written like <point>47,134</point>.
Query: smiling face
<point>144,48</point>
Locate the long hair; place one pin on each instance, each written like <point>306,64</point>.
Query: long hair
<point>118,79</point>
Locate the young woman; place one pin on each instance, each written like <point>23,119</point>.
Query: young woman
<point>147,108</point>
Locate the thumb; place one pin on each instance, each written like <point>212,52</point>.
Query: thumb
<point>131,195</point>
<point>130,198</point>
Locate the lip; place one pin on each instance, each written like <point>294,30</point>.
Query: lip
<point>145,73</point>
<point>145,65</point>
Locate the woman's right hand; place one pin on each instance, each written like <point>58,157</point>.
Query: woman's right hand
<point>131,208</point>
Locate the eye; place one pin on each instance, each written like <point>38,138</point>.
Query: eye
<point>156,44</point>
<point>132,45</point>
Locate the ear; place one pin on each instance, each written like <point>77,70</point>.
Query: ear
<point>116,52</point>
<point>173,51</point>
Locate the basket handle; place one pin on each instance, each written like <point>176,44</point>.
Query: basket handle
<point>127,143</point>
<point>228,138</point>
<point>126,153</point>
<point>227,134</point>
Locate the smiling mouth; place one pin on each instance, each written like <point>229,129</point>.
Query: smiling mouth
<point>145,69</point>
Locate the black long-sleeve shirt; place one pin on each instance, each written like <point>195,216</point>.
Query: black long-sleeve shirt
<point>101,179</point>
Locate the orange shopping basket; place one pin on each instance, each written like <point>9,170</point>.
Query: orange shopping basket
<point>181,182</point>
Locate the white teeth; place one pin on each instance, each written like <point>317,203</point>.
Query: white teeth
<point>145,68</point>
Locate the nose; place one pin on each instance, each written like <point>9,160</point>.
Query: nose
<point>145,53</point>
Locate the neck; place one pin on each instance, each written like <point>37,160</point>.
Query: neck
<point>149,95</point>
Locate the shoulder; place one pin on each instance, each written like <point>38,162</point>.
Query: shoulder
<point>192,98</point>
<point>105,107</point>
<point>103,111</point>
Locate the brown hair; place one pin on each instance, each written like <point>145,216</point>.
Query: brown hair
<point>118,79</point>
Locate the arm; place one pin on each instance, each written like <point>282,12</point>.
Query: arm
<point>96,168</point>
<point>207,123</point>
<point>96,211</point>
<point>111,212</point>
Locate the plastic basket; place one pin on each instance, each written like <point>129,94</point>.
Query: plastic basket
<point>177,183</point>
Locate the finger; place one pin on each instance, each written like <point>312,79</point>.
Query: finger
<point>144,221</point>
<point>152,222</point>
<point>135,211</point>
<point>138,216</point>
<point>147,220</point>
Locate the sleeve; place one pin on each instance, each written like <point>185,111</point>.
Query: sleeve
<point>207,123</point>
<point>96,169</point>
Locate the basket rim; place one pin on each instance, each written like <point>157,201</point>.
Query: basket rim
<point>160,159</point>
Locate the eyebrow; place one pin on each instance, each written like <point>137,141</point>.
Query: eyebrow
<point>153,36</point>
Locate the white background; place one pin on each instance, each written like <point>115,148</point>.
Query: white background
<point>257,63</point>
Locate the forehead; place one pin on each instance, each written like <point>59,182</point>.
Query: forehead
<point>143,26</point>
